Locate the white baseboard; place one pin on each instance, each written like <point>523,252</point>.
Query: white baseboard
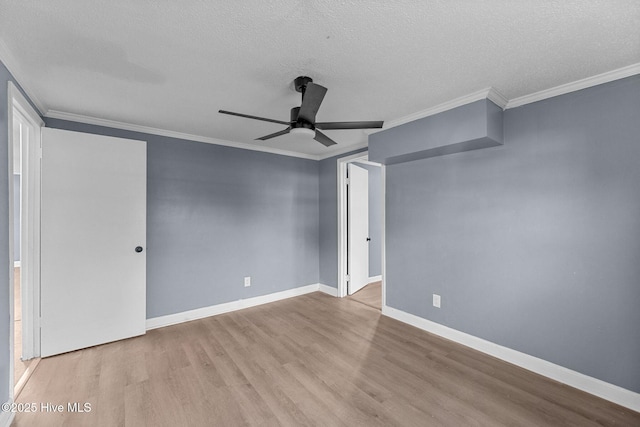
<point>613,393</point>
<point>16,264</point>
<point>199,313</point>
<point>6,418</point>
<point>375,279</point>
<point>328,290</point>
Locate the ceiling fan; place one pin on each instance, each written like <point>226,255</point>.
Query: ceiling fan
<point>303,118</point>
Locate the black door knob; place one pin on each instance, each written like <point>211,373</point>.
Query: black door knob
<point>138,249</point>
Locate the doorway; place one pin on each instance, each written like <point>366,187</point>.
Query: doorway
<point>24,222</point>
<point>361,279</point>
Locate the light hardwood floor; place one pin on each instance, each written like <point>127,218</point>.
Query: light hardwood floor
<point>309,360</point>
<point>19,365</point>
<point>370,295</point>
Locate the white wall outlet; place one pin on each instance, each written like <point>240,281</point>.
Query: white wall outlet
<point>247,281</point>
<point>436,300</point>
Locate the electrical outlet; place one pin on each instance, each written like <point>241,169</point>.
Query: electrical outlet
<point>247,281</point>
<point>436,300</point>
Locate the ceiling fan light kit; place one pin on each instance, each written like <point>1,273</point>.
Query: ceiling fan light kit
<point>304,132</point>
<point>303,118</point>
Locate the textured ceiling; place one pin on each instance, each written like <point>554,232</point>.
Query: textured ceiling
<point>171,65</point>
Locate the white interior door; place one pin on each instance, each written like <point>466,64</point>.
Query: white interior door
<point>93,280</point>
<point>358,225</point>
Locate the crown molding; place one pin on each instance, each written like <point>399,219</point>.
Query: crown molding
<point>503,102</point>
<point>445,106</point>
<point>9,61</point>
<point>588,82</point>
<point>497,98</point>
<point>490,93</point>
<point>54,114</point>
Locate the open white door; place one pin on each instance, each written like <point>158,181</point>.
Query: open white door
<point>358,225</point>
<point>93,279</point>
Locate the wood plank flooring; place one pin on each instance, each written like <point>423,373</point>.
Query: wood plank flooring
<point>20,366</point>
<point>296,362</point>
<point>370,295</point>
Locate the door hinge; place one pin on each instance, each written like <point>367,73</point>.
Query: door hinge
<point>347,277</point>
<point>346,181</point>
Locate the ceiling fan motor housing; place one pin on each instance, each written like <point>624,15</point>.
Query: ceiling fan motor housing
<point>299,123</point>
<point>300,83</point>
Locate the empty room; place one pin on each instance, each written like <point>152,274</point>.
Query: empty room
<point>330,213</point>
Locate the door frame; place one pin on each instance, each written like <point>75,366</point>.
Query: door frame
<point>358,245</point>
<point>362,157</point>
<point>30,229</point>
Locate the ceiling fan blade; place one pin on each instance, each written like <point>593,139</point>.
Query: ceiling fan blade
<point>273,135</point>
<point>253,117</point>
<point>311,100</point>
<point>324,139</point>
<point>349,125</point>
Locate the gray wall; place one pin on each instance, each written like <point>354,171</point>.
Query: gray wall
<point>534,245</point>
<point>468,127</point>
<point>375,218</point>
<point>216,214</point>
<point>16,217</point>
